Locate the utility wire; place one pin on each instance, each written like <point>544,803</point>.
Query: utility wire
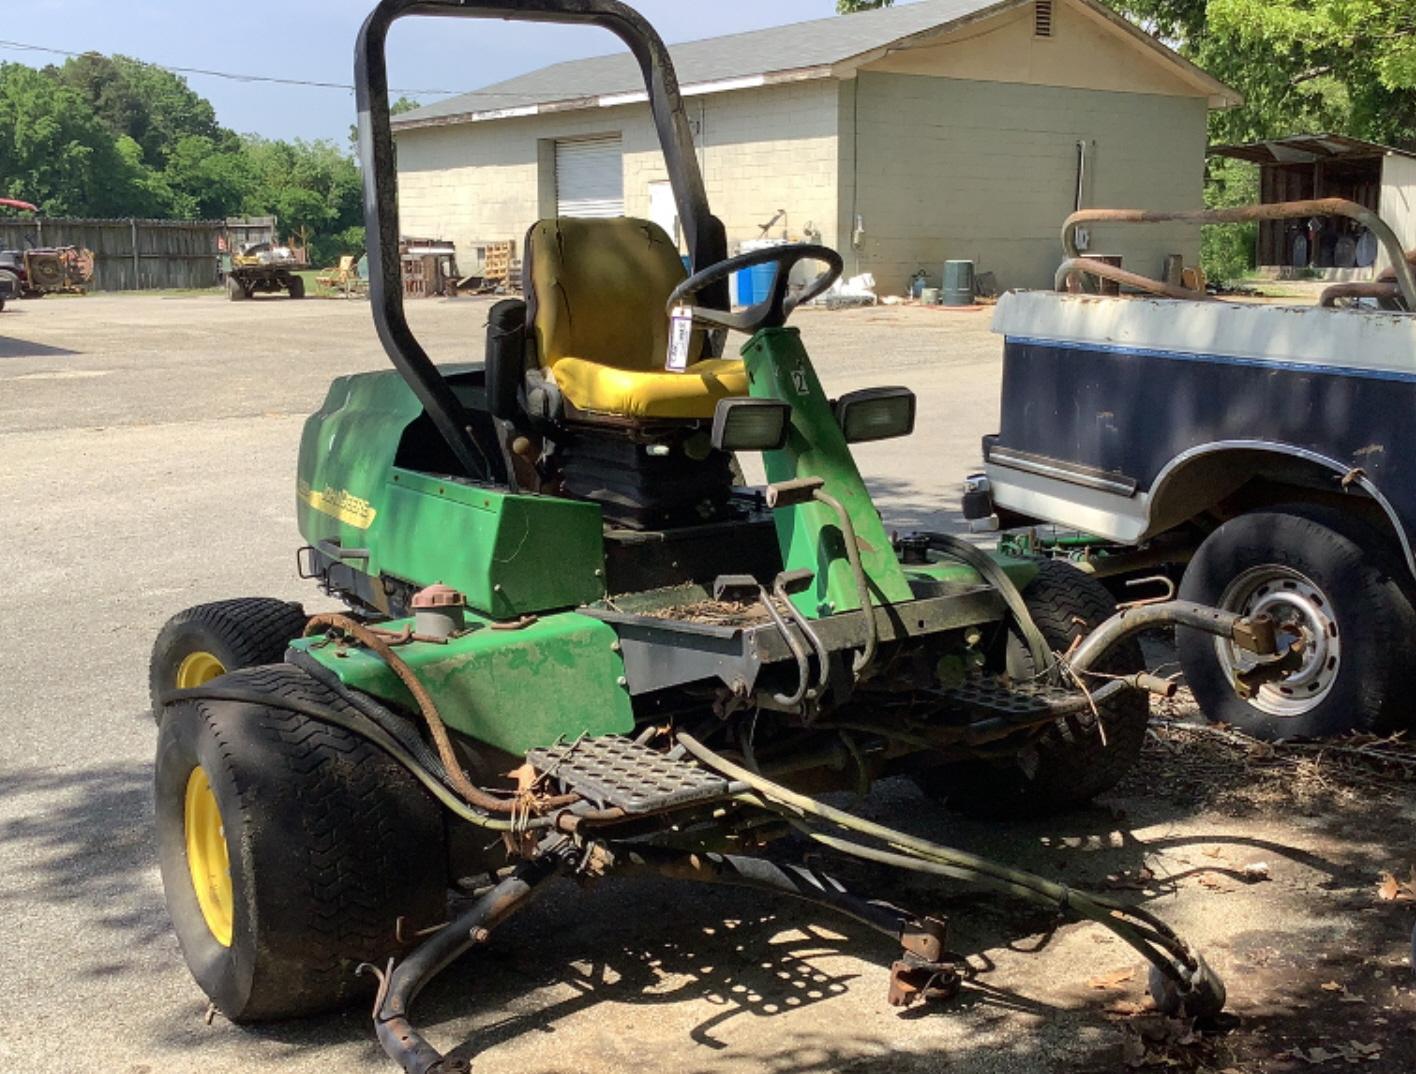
<point>20,46</point>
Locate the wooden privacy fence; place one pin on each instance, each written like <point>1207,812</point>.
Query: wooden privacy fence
<point>129,255</point>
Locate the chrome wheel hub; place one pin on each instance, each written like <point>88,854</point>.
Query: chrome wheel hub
<point>1305,625</point>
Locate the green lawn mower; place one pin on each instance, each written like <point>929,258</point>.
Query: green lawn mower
<point>575,646</point>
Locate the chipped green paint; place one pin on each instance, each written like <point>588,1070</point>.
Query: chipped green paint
<point>515,690</point>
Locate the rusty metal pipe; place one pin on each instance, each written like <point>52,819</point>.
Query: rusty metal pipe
<point>400,1040</point>
<point>1379,289</point>
<point>1068,271</point>
<point>1243,214</point>
<point>1255,634</point>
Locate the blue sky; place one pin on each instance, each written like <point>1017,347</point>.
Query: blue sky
<point>313,39</point>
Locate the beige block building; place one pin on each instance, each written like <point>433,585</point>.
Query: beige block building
<point>904,137</point>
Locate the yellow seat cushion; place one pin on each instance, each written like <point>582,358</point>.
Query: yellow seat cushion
<point>597,291</point>
<point>632,393</point>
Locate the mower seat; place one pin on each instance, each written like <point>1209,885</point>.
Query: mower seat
<point>596,293</point>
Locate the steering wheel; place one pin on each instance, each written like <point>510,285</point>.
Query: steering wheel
<point>773,311</point>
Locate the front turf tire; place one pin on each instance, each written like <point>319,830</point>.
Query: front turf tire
<point>200,643</point>
<point>329,842</point>
<point>1330,576</point>
<point>297,287</point>
<point>1070,762</point>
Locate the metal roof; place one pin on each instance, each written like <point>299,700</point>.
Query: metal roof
<point>1305,149</point>
<point>737,61</point>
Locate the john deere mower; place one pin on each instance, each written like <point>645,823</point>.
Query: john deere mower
<point>573,646</point>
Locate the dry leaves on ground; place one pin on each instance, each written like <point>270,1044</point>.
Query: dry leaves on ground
<point>1115,979</point>
<point>1393,890</point>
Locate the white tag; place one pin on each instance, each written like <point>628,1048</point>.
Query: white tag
<point>680,339</point>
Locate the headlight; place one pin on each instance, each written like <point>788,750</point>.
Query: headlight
<point>876,414</point>
<point>750,424</point>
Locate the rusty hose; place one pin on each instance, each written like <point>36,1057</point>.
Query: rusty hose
<point>1241,214</point>
<point>429,710</point>
<point>1378,289</point>
<point>1075,266</point>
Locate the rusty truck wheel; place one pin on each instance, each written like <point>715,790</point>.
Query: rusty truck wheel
<point>1341,613</point>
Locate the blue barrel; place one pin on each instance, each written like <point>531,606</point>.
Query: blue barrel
<point>763,276</point>
<point>958,283</point>
<point>745,296</point>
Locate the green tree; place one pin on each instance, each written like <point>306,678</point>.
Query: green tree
<point>1347,66</point>
<point>54,151</point>
<point>848,7</point>
<point>150,105</point>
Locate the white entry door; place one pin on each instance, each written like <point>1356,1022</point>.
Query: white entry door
<point>590,177</point>
<point>663,210</point>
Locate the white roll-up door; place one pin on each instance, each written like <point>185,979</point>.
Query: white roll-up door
<point>590,177</point>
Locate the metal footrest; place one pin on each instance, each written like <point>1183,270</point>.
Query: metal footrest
<point>1013,702</point>
<point>615,771</point>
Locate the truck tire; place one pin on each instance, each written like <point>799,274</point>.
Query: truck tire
<point>289,849</point>
<point>1072,761</point>
<point>197,645</point>
<point>297,287</point>
<point>1322,575</point>
<point>236,290</point>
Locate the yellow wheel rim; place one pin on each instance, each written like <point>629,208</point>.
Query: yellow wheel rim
<point>207,857</point>
<point>198,669</point>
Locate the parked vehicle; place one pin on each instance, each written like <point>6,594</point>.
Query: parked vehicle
<point>266,268</point>
<point>1266,452</point>
<point>39,271</point>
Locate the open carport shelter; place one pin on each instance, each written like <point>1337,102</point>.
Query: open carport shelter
<point>941,129</point>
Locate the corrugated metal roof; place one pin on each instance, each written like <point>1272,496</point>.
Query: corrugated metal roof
<point>1305,149</point>
<point>818,43</point>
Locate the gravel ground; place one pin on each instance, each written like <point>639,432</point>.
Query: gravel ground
<point>147,450</point>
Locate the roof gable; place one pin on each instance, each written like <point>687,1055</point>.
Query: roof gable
<point>818,48</point>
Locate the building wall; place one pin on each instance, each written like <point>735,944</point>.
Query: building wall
<point>1085,51</point>
<point>1398,207</point>
<point>947,168</point>
<point>760,150</point>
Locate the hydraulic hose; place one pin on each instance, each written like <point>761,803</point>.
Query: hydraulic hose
<point>359,724</point>
<point>909,851</point>
<point>798,653</point>
<point>1041,653</point>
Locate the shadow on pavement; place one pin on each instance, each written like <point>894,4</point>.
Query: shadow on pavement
<point>11,347</point>
<point>83,838</point>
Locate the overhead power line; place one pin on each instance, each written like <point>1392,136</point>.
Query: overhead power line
<point>20,46</point>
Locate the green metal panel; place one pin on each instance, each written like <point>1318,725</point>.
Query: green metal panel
<point>1021,570</point>
<point>516,690</point>
<point>778,368</point>
<point>510,554</point>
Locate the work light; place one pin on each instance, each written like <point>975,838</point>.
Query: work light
<point>750,424</point>
<point>876,414</point>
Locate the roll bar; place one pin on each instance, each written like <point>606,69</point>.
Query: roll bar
<point>707,242</point>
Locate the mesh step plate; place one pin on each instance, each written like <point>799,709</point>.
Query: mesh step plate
<point>614,771</point>
<point>1015,702</point>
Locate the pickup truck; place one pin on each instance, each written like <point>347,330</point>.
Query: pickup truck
<point>1267,454</point>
